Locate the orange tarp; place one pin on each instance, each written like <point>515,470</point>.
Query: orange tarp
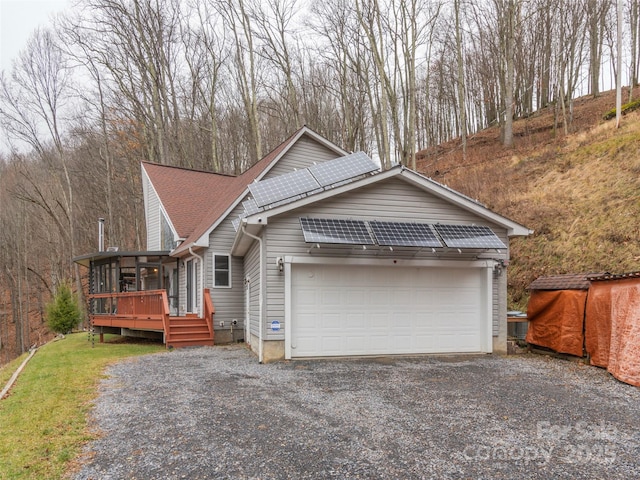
<point>597,323</point>
<point>556,320</point>
<point>624,354</point>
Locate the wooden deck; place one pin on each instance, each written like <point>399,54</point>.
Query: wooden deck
<point>149,311</point>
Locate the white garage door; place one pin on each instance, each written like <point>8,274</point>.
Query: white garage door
<point>360,310</point>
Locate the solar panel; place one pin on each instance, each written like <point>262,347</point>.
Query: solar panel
<point>328,230</point>
<point>468,236</point>
<point>405,234</point>
<point>236,223</point>
<point>282,187</point>
<point>343,168</point>
<point>250,207</point>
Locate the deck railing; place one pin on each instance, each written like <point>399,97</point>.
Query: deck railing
<point>144,310</point>
<point>149,304</point>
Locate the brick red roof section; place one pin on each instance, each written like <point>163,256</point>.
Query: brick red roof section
<point>185,194</point>
<point>561,282</point>
<point>195,200</point>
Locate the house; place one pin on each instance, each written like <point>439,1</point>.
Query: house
<point>315,252</point>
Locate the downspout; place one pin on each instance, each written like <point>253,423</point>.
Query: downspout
<point>201,305</point>
<point>244,231</point>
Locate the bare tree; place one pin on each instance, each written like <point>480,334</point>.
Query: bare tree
<point>461,82</point>
<point>342,74</point>
<point>634,27</point>
<point>273,19</point>
<point>236,17</point>
<point>34,101</point>
<point>135,42</point>
<point>597,14</point>
<point>206,52</point>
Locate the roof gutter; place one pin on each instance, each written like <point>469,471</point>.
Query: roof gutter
<point>260,319</point>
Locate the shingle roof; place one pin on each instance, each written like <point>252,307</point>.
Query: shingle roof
<point>196,200</point>
<point>601,277</point>
<point>561,282</point>
<point>181,189</point>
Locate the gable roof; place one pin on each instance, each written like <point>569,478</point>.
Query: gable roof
<point>254,223</point>
<point>412,177</point>
<point>196,201</point>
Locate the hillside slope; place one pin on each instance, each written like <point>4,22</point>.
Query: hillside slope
<point>579,192</point>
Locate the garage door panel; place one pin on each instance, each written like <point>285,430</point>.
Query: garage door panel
<point>356,343</point>
<point>306,296</point>
<point>331,296</point>
<point>357,310</point>
<point>379,322</point>
<point>356,321</point>
<point>354,297</point>
<point>330,321</point>
<point>379,296</point>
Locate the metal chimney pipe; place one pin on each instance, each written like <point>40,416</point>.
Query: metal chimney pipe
<point>101,234</point>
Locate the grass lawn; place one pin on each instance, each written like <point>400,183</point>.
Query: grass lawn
<point>43,421</point>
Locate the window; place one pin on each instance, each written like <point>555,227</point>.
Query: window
<point>166,234</point>
<point>221,271</point>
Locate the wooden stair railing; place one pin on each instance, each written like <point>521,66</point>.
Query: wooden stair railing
<point>191,330</point>
<point>209,311</point>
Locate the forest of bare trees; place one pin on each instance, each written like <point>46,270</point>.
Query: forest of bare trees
<point>215,84</point>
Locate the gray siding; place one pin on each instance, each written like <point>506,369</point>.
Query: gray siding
<point>152,215</point>
<point>393,200</point>
<point>303,154</point>
<point>228,302</point>
<point>252,272</point>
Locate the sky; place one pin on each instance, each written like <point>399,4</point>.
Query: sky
<point>18,19</point>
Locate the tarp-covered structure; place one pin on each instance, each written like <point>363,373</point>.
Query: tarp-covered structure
<point>593,314</point>
<point>612,325</point>
<point>556,313</point>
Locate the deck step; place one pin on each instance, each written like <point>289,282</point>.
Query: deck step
<point>190,343</point>
<point>190,333</point>
<point>187,331</point>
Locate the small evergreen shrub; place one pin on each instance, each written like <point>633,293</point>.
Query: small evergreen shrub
<point>63,313</point>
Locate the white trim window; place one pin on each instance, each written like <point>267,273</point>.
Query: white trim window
<point>222,271</point>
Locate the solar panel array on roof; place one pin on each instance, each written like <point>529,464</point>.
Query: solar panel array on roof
<point>236,223</point>
<point>405,234</point>
<point>468,236</point>
<point>283,187</point>
<point>343,168</point>
<point>250,207</point>
<point>331,230</point>
<point>401,234</point>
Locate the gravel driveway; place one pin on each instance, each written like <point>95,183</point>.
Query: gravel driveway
<point>217,413</point>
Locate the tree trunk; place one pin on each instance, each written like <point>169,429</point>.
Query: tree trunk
<point>461,83</point>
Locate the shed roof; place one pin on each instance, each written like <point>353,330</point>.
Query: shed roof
<point>572,281</point>
<point>602,277</point>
